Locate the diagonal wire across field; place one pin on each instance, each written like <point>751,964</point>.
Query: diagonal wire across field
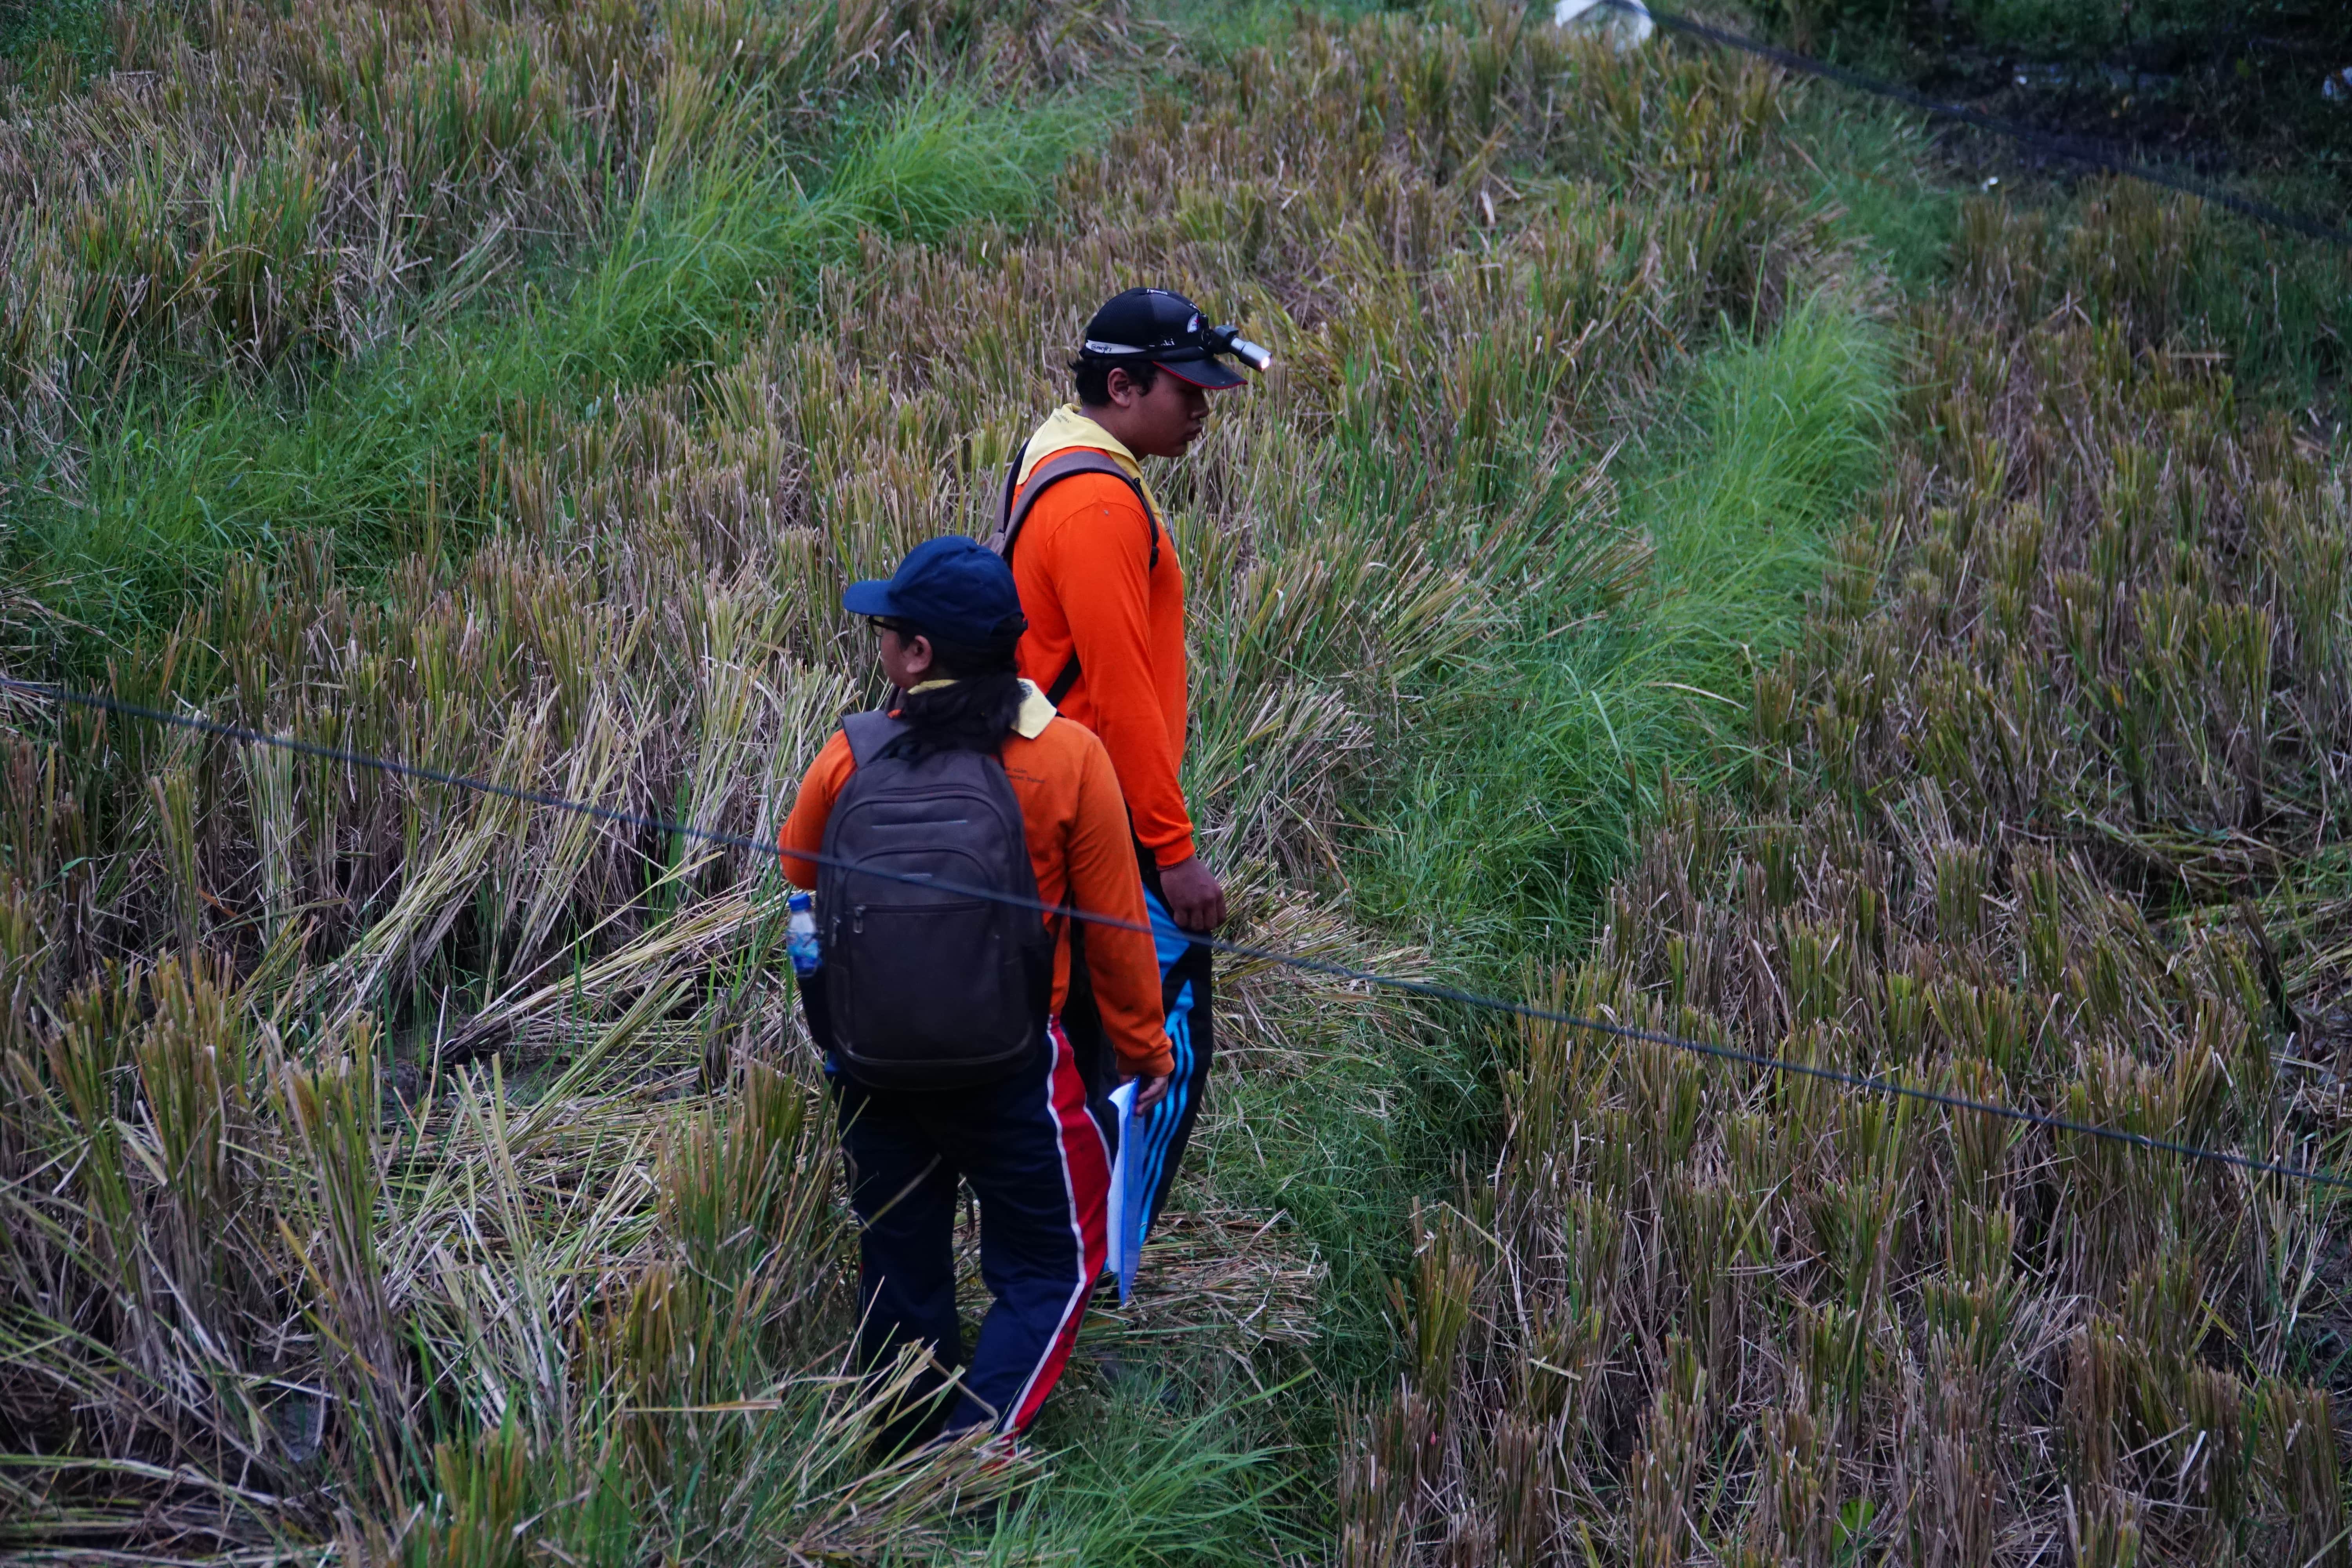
<point>1427,990</point>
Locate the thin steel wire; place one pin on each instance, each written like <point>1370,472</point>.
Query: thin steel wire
<point>1427,989</point>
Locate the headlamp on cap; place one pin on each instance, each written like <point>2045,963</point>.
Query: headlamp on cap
<point>1229,341</point>
<point>1165,329</point>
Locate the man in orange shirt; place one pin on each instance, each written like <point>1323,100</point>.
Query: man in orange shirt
<point>1104,594</point>
<point>1029,1132</point>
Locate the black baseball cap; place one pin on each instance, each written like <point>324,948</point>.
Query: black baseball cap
<point>1166,328</point>
<point>952,590</point>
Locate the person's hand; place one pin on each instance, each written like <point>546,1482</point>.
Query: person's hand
<point>1151,1092</point>
<point>1194,897</point>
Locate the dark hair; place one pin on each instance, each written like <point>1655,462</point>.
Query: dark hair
<point>975,714</point>
<point>1093,376</point>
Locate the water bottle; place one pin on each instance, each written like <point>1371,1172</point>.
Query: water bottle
<point>800,935</point>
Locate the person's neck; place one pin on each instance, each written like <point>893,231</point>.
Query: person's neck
<point>1118,421</point>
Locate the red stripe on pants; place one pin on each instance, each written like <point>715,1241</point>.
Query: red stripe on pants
<point>1086,1178</point>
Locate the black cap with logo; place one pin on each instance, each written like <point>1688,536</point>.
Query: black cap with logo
<point>1169,330</point>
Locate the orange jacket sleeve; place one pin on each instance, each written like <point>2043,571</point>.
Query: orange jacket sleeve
<point>805,828</point>
<point>1102,567</point>
<point>1121,961</point>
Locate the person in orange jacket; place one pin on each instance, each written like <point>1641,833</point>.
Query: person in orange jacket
<point>1104,594</point>
<point>1034,1140</point>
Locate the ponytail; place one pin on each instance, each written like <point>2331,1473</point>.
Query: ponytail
<point>975,713</point>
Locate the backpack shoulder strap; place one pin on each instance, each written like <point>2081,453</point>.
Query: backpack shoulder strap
<point>868,734</point>
<point>1013,512</point>
<point>1002,543</point>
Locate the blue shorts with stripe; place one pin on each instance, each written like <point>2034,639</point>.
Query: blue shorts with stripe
<point>1187,997</point>
<point>1185,981</point>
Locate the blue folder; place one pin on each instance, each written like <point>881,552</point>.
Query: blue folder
<point>1129,1194</point>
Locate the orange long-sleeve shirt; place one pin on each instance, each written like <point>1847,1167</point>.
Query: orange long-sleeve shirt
<point>1083,564</point>
<point>1075,825</point>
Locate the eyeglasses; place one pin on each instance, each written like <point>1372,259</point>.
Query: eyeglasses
<point>885,624</point>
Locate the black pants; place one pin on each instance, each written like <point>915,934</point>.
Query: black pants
<point>1186,982</point>
<point>1032,1145</point>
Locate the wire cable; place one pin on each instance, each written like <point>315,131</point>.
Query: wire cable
<point>2071,149</point>
<point>1427,990</point>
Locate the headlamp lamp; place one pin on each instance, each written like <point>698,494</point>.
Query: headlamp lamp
<point>1229,341</point>
<point>1167,329</point>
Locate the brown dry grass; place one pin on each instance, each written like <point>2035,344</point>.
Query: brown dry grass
<point>296,1273</point>
<point>254,182</point>
<point>283,1269</point>
<point>2075,688</point>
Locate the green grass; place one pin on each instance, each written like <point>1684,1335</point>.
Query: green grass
<point>1134,1483</point>
<point>1872,163</point>
<point>36,31</point>
<point>1508,820</point>
<point>1508,823</point>
<point>1518,822</point>
<point>1498,817</point>
<point>387,451</point>
<point>2280,305</point>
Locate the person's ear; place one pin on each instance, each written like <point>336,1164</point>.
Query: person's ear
<point>916,651</point>
<point>1120,386</point>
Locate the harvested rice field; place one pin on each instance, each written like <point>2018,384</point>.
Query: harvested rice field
<point>1703,560</point>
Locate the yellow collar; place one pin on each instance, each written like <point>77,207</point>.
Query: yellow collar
<point>1035,713</point>
<point>1028,723</point>
<point>1067,427</point>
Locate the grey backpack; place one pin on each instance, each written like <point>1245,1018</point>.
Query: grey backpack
<point>931,987</point>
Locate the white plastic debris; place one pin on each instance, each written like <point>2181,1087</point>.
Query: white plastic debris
<point>2336,86</point>
<point>1621,24</point>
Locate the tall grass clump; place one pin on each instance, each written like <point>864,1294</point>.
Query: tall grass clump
<point>2275,307</point>
<point>742,236</point>
<point>1510,826</point>
<point>305,178</point>
<point>191,383</point>
<point>2065,706</point>
<point>1788,435</point>
<point>400,450</point>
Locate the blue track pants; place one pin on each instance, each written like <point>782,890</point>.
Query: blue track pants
<point>1033,1148</point>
